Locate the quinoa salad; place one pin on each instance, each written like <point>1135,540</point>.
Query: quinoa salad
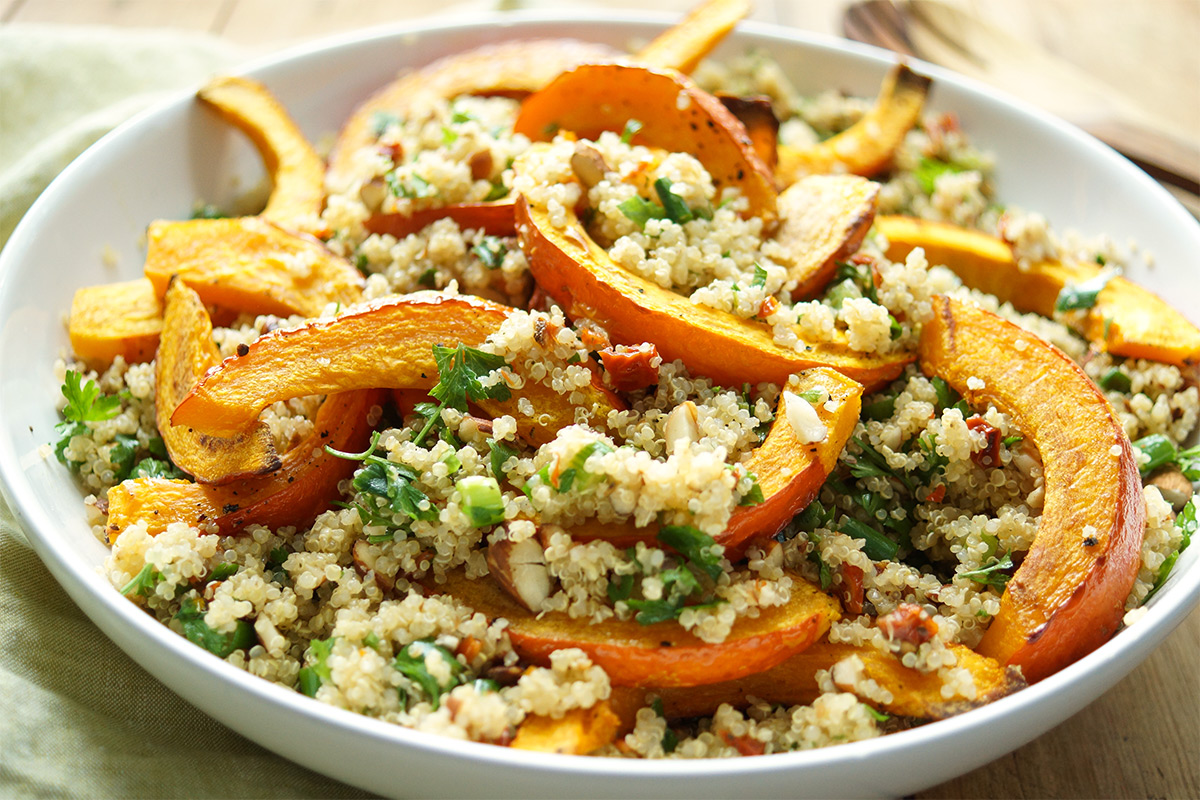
<point>641,429</point>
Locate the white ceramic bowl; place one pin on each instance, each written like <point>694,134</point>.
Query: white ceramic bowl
<point>159,164</point>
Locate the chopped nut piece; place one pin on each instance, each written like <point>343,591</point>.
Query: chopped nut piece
<point>372,194</point>
<point>481,165</point>
<point>1173,485</point>
<point>682,424</point>
<point>588,164</point>
<point>520,567</point>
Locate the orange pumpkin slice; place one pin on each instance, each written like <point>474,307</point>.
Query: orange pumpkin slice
<point>1127,319</point>
<point>388,344</point>
<point>297,171</point>
<point>494,218</point>
<point>583,279</point>
<point>577,732</point>
<point>662,654</point>
<point>675,114</point>
<point>866,147</point>
<point>790,471</point>
<point>115,319</point>
<point>512,69</point>
<point>250,265</point>
<point>682,46</point>
<point>185,352</point>
<point>794,682</point>
<point>824,220</point>
<point>1068,596</point>
<point>295,494</point>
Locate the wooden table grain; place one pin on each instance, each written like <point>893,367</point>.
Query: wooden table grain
<point>1142,738</point>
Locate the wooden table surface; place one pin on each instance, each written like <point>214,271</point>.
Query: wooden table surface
<point>1142,739</point>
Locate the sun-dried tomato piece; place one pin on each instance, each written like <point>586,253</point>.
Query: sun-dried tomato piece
<point>909,624</point>
<point>631,367</point>
<point>989,456</point>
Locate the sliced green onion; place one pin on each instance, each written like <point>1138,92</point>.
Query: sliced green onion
<point>878,547</point>
<point>482,501</point>
<point>1114,380</point>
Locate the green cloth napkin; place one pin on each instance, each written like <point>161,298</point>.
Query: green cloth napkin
<point>79,718</point>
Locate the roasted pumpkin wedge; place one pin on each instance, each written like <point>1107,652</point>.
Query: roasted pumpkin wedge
<point>296,170</point>
<point>494,218</point>
<point>251,265</point>
<point>867,146</point>
<point>294,494</point>
<point>915,694</point>
<point>824,219</point>
<point>762,126</point>
<point>789,467</point>
<point>581,277</point>
<point>512,69</point>
<point>1127,320</point>
<point>676,115</point>
<point>682,46</point>
<point>662,654</point>
<point>1068,596</point>
<point>115,319</point>
<point>577,732</point>
<point>185,352</point>
<point>380,345</point>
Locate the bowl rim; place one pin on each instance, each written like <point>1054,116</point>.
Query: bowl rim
<point>120,619</point>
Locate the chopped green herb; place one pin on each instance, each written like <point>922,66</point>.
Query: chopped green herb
<point>459,372</point>
<point>880,409</point>
<point>317,671</point>
<point>621,588</point>
<point>1187,523</point>
<point>482,501</point>
<point>122,455</point>
<point>428,278</point>
<point>640,210</point>
<point>871,463</point>
<point>1115,380</point>
<point>85,402</point>
<point>155,468</point>
<point>491,251</point>
<point>760,275</point>
<point>878,547</point>
<point>498,455</point>
<point>876,715</point>
<point>394,482</point>
<point>824,573</point>
<point>143,583</point>
<point>413,188</point>
<point>632,126</point>
<point>650,612</point>
<point>371,640</point>
<point>449,135</point>
<point>223,570</point>
<point>674,206</point>
<point>841,292</point>
<point>1162,451</point>
<point>995,573</point>
<point>207,211</point>
<point>191,618</point>
<point>754,495</point>
<point>1012,441</point>
<point>452,462</point>
<point>411,662</point>
<point>694,545</point>
<point>576,474</point>
<point>1082,295</point>
<point>928,170</point>
<point>497,191</point>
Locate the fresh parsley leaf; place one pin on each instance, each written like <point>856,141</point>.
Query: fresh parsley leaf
<point>877,547</point>
<point>497,191</point>
<point>411,663</point>
<point>317,670</point>
<point>122,455</point>
<point>694,545</point>
<point>621,588</point>
<point>651,612</point>
<point>880,409</point>
<point>223,570</point>
<point>640,210</point>
<point>143,583</point>
<point>459,371</point>
<point>673,205</point>
<point>760,275</point>
<point>498,455</point>
<point>755,495</point>
<point>994,574</point>
<point>491,251</point>
<point>381,121</point>
<point>394,482</point>
<point>191,618</point>
<point>85,402</point>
